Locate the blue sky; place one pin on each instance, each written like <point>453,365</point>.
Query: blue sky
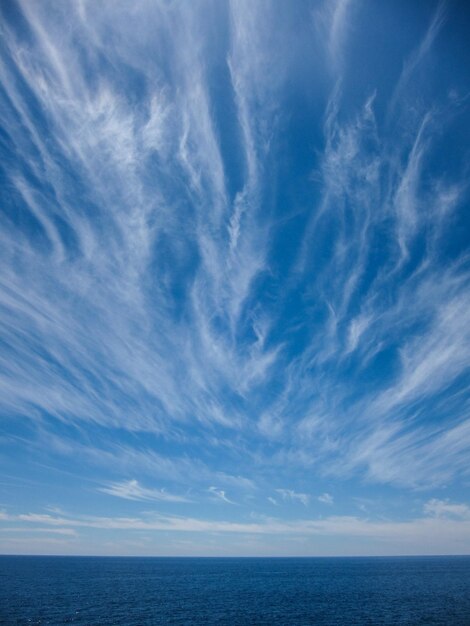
<point>234,304</point>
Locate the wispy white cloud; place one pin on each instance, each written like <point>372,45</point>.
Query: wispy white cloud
<point>326,498</point>
<point>220,494</point>
<point>180,300</point>
<point>414,533</point>
<point>132,490</point>
<point>291,496</point>
<point>70,532</point>
<point>330,21</point>
<point>444,508</point>
<point>417,56</point>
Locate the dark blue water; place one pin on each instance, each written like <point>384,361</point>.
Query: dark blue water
<point>144,591</point>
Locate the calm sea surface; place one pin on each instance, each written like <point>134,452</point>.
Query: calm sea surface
<point>143,591</point>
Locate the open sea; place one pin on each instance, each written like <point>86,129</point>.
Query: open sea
<point>317,591</point>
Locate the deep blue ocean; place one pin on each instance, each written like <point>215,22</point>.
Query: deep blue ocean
<point>144,591</point>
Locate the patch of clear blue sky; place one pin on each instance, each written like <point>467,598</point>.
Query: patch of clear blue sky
<point>234,278</point>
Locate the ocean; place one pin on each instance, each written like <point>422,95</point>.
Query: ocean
<point>233,591</point>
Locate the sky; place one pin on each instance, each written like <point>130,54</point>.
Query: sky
<point>234,277</point>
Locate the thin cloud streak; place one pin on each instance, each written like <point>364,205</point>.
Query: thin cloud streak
<point>132,490</point>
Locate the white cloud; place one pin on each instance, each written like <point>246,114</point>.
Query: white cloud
<point>326,498</point>
<point>220,494</point>
<point>444,508</point>
<point>31,530</point>
<point>419,53</point>
<point>330,21</point>
<point>132,490</point>
<point>290,496</point>
<point>140,202</point>
<point>426,535</point>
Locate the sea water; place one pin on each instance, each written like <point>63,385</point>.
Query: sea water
<point>317,591</point>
